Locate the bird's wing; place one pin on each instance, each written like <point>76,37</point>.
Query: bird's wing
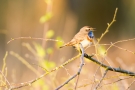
<point>77,39</point>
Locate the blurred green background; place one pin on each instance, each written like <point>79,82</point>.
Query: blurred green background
<point>34,18</point>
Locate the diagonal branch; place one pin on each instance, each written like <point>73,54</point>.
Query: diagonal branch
<point>109,25</point>
<point>130,85</point>
<point>101,79</point>
<point>128,73</point>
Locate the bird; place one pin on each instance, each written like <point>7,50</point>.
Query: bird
<point>85,37</point>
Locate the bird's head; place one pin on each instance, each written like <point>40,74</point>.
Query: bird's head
<point>87,29</point>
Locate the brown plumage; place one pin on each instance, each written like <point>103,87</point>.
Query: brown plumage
<point>79,37</point>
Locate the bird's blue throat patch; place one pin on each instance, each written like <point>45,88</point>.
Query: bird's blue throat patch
<point>90,34</point>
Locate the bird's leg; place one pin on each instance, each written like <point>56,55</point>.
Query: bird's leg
<point>79,49</point>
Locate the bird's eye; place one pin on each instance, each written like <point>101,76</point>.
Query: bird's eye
<point>87,29</point>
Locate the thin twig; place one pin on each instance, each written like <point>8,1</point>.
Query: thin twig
<point>40,67</point>
<point>66,81</point>
<point>5,79</point>
<point>67,71</point>
<point>76,82</point>
<point>95,76</point>
<point>12,39</point>
<point>117,47</point>
<point>25,62</point>
<point>78,73</point>
<point>130,85</point>
<point>101,79</point>
<point>107,78</point>
<point>115,81</point>
<point>109,25</point>
<point>113,44</point>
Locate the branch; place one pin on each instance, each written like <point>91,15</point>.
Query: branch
<point>107,78</point>
<point>115,81</point>
<point>113,44</point>
<point>12,39</point>
<point>78,73</point>
<point>128,73</point>
<point>5,79</point>
<point>109,25</point>
<point>38,78</point>
<point>101,79</point>
<point>130,85</point>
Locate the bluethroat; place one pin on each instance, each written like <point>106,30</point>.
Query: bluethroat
<point>85,36</point>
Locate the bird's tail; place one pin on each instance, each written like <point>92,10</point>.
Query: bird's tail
<point>67,44</point>
<point>62,46</point>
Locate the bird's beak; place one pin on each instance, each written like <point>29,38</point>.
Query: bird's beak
<point>93,29</point>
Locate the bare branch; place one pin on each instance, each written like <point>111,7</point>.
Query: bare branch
<point>12,39</point>
<point>128,73</point>
<point>113,44</point>
<point>107,78</point>
<point>96,73</point>
<point>109,25</point>
<point>101,79</point>
<point>41,76</point>
<point>116,81</point>
<point>130,85</point>
<point>79,71</point>
<point>5,79</point>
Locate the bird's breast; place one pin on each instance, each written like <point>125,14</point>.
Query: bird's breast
<point>86,43</point>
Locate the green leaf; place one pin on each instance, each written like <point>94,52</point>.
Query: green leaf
<point>46,17</point>
<point>40,83</point>
<point>40,50</point>
<point>101,50</point>
<point>115,87</point>
<point>49,50</point>
<point>47,64</point>
<point>49,34</point>
<point>60,42</point>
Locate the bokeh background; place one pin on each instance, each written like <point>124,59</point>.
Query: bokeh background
<point>63,19</point>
